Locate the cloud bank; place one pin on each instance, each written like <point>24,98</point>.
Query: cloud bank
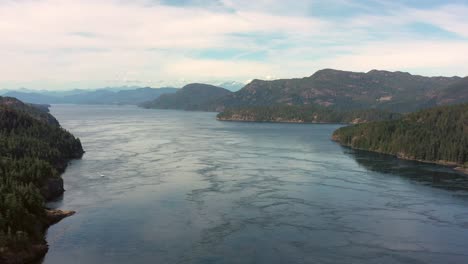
<point>64,44</point>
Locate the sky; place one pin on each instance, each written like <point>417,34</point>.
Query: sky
<point>68,44</point>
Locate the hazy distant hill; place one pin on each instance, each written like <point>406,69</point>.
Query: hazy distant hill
<point>100,96</point>
<point>232,86</point>
<point>392,91</point>
<point>191,97</point>
<point>33,97</point>
<point>104,96</point>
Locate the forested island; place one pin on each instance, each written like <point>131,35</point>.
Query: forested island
<point>437,135</point>
<point>304,114</point>
<point>34,151</point>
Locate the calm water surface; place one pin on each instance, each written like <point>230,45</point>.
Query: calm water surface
<point>180,187</point>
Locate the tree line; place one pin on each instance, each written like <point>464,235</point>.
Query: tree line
<point>31,152</point>
<point>439,134</point>
<point>305,114</point>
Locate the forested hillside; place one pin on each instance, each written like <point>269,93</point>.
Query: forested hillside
<point>391,91</point>
<point>454,94</point>
<point>437,135</point>
<point>193,96</point>
<point>39,112</point>
<point>304,114</point>
<point>33,154</point>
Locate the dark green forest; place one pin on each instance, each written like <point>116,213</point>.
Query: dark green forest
<point>32,151</point>
<point>304,114</point>
<point>438,135</point>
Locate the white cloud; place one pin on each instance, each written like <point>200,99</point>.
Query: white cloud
<point>452,18</point>
<point>213,69</point>
<point>447,58</point>
<point>60,43</point>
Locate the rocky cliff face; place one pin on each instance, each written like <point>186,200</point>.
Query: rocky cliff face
<point>52,188</point>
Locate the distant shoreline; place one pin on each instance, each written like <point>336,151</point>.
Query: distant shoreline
<point>279,122</point>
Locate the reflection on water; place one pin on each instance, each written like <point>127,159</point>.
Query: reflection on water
<point>180,187</point>
<point>427,174</point>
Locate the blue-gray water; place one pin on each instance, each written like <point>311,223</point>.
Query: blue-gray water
<point>180,187</point>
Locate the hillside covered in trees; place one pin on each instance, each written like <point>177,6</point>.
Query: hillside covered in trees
<point>33,154</point>
<point>195,96</point>
<point>304,114</point>
<point>36,111</point>
<point>391,91</point>
<point>438,135</point>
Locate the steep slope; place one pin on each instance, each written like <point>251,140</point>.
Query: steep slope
<point>39,112</point>
<point>438,135</point>
<point>455,93</point>
<point>392,91</point>
<point>140,95</point>
<point>195,96</point>
<point>33,153</point>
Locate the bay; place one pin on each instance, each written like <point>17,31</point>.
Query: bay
<point>161,186</point>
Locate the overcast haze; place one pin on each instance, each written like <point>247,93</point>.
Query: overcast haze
<point>59,44</point>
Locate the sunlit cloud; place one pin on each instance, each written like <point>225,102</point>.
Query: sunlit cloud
<point>64,44</point>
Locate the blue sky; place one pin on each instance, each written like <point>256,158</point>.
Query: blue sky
<point>66,44</point>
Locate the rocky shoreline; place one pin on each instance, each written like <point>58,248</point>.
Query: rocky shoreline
<point>42,151</point>
<point>462,170</point>
<point>453,165</point>
<point>36,251</point>
<point>286,121</point>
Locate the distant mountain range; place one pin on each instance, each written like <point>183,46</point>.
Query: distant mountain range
<point>232,86</point>
<point>132,96</point>
<point>391,91</point>
<point>341,90</point>
<point>193,96</point>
